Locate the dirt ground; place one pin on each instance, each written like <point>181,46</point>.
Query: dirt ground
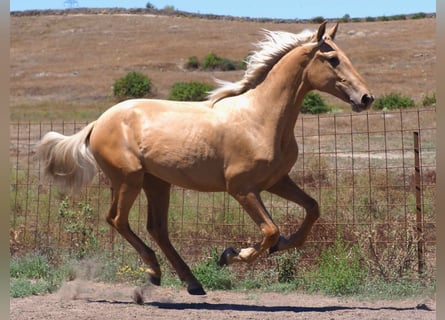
<point>80,300</point>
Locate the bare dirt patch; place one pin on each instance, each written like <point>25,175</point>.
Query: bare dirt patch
<point>87,300</point>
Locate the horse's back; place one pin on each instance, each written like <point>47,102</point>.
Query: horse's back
<point>176,141</point>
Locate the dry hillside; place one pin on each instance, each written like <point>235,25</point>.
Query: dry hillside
<point>65,65</point>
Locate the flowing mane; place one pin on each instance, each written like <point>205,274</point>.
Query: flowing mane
<point>270,50</point>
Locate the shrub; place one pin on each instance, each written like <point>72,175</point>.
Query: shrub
<point>214,62</point>
<point>393,101</point>
<point>190,91</point>
<point>345,18</point>
<point>192,63</point>
<point>169,8</point>
<point>133,85</point>
<point>314,104</point>
<point>318,19</point>
<point>149,5</point>
<point>419,15</point>
<point>211,61</point>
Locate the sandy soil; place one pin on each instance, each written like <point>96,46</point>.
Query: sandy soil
<point>87,300</point>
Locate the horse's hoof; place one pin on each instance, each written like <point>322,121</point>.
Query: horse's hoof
<point>154,280</point>
<point>224,259</point>
<point>273,249</point>
<point>196,291</point>
<point>138,296</point>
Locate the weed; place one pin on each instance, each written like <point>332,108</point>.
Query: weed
<point>33,274</point>
<point>30,266</point>
<point>340,271</point>
<point>25,287</point>
<point>286,263</point>
<point>211,275</point>
<point>78,224</point>
<point>429,100</point>
<point>131,274</point>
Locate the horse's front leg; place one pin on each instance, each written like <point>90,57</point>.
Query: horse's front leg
<point>251,202</point>
<point>287,189</point>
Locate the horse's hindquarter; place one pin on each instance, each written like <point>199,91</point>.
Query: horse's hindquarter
<point>178,142</point>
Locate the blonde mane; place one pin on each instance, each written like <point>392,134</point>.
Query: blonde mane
<point>270,50</point>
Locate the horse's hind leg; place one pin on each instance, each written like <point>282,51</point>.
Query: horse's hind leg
<point>124,194</point>
<point>287,189</point>
<point>158,196</point>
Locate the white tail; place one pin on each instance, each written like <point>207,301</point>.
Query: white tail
<point>67,160</point>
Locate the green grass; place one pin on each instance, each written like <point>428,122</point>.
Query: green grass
<point>33,274</point>
<point>338,273</point>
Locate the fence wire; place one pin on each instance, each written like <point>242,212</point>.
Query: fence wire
<point>360,168</point>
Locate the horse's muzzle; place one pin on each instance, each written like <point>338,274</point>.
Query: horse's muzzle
<point>365,103</point>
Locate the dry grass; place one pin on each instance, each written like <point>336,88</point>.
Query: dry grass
<point>65,66</point>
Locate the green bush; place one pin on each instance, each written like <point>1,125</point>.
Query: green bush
<point>419,15</point>
<point>346,18</point>
<point>318,19</point>
<point>339,272</point>
<point>214,62</point>
<point>393,101</point>
<point>79,223</point>
<point>133,85</point>
<point>169,8</point>
<point>314,104</point>
<point>190,91</point>
<point>211,275</point>
<point>192,63</point>
<point>149,5</point>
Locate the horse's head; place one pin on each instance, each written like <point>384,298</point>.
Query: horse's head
<point>331,71</point>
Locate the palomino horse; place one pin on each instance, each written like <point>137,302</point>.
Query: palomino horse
<point>241,140</point>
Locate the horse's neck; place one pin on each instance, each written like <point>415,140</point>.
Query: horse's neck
<point>279,96</point>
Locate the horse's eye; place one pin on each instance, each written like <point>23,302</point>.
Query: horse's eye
<point>334,61</point>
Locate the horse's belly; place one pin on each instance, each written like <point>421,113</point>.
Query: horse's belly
<point>201,175</point>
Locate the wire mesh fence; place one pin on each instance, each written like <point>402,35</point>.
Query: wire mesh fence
<point>360,167</point>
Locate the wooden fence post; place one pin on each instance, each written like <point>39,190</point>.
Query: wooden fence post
<point>419,212</point>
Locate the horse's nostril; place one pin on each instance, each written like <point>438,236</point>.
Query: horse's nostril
<point>367,99</point>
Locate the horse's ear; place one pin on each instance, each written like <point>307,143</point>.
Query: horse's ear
<point>333,31</point>
<point>321,31</point>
